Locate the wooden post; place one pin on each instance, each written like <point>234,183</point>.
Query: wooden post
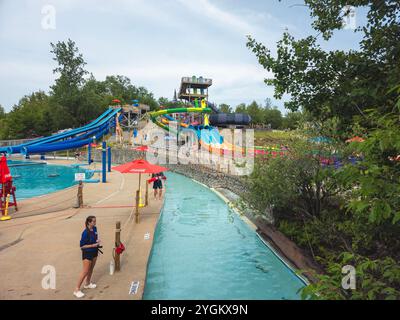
<point>137,206</point>
<point>80,194</point>
<point>3,199</point>
<point>147,194</point>
<point>117,243</point>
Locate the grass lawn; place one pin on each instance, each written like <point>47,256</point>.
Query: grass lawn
<point>274,137</point>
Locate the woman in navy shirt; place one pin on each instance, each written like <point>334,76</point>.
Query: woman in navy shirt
<point>89,245</point>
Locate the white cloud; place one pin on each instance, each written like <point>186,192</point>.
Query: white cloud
<point>227,19</point>
<point>148,41</point>
<point>231,84</point>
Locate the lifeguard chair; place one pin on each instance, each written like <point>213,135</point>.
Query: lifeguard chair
<point>8,188</point>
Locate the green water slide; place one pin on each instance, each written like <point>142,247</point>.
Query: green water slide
<point>156,114</point>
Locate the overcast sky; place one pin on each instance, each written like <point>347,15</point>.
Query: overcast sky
<point>153,42</point>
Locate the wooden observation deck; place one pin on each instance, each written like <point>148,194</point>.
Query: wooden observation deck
<point>131,114</point>
<point>194,88</point>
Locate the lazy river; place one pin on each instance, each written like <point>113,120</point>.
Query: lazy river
<point>204,250</point>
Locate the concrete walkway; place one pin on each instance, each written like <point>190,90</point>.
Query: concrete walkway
<point>31,240</point>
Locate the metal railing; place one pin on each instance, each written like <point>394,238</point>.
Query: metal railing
<point>197,80</point>
<point>7,143</point>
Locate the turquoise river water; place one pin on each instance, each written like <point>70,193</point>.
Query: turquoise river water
<point>204,250</point>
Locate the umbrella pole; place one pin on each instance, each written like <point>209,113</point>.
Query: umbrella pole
<point>138,200</point>
<point>3,195</point>
<point>147,195</point>
<point>137,207</point>
<point>140,190</point>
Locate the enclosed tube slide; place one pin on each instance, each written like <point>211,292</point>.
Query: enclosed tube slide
<point>223,119</point>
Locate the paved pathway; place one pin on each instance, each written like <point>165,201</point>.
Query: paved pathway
<point>32,240</point>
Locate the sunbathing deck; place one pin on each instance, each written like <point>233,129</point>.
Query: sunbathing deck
<point>47,230</point>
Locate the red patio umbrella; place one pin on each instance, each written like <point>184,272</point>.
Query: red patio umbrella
<point>116,101</point>
<point>139,166</point>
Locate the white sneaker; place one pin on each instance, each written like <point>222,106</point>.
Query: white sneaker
<point>90,286</point>
<point>79,294</point>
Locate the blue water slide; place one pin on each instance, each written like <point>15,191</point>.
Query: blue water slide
<point>90,133</point>
<point>17,148</point>
<point>65,145</point>
<point>106,116</point>
<point>104,119</point>
<point>76,142</point>
<point>84,136</point>
<point>72,132</point>
<point>63,134</point>
<point>169,117</point>
<point>216,136</point>
<point>55,147</point>
<point>209,134</point>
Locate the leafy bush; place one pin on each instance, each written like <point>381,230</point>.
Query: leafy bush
<point>375,279</point>
<point>295,184</point>
<point>341,216</point>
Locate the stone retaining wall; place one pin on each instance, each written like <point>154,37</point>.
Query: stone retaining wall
<point>204,174</point>
<point>210,177</point>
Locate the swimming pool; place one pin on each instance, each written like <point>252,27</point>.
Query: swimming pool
<point>204,250</point>
<point>34,179</point>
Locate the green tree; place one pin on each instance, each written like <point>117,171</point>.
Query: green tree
<point>272,116</point>
<point>92,101</point>
<point>338,83</point>
<point>29,118</point>
<point>73,99</point>
<point>66,90</point>
<point>120,87</point>
<point>162,101</point>
<point>255,112</point>
<point>3,124</point>
<point>2,112</point>
<point>226,108</point>
<point>241,108</point>
<point>343,93</point>
<point>291,120</point>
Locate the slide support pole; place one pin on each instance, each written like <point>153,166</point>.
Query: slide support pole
<point>109,158</point>
<point>89,153</point>
<point>103,161</point>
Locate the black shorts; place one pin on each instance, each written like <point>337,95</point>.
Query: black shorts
<point>89,255</point>
<point>157,184</point>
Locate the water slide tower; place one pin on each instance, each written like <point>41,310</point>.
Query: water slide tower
<point>194,88</point>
